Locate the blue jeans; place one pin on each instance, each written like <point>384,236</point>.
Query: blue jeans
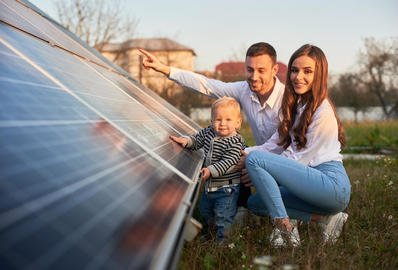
<point>286,188</point>
<point>219,208</point>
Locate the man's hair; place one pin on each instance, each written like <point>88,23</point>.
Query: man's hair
<point>225,102</point>
<point>262,48</point>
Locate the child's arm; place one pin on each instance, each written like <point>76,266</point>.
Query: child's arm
<point>183,141</point>
<point>230,158</point>
<point>193,142</point>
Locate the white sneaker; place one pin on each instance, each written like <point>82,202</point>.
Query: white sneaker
<point>276,238</point>
<point>294,237</point>
<point>332,226</point>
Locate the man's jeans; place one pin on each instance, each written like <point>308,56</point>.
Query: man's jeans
<point>219,208</point>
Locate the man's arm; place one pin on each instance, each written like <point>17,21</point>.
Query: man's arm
<point>194,81</point>
<point>151,61</point>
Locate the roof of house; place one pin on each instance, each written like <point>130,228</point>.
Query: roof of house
<point>238,68</point>
<point>231,68</point>
<point>149,44</point>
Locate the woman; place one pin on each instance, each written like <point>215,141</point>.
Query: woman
<point>299,172</point>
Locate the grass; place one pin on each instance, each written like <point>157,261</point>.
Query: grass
<point>369,240</point>
<point>372,136</point>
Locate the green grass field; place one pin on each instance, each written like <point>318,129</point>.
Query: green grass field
<point>369,240</point>
<point>372,136</point>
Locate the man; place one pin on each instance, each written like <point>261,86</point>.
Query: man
<point>260,96</point>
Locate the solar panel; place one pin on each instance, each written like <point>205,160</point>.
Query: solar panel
<point>28,20</point>
<point>88,176</point>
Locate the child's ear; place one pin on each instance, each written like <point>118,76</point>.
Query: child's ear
<point>238,124</point>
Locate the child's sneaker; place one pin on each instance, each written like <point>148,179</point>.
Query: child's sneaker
<point>332,226</point>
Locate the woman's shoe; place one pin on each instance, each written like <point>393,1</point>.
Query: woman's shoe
<point>332,226</point>
<point>294,237</point>
<point>277,238</point>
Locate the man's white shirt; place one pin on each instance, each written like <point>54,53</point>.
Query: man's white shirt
<point>263,120</point>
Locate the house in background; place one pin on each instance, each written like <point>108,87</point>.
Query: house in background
<point>127,56</point>
<point>235,71</point>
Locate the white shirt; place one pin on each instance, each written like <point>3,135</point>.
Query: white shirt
<point>322,139</point>
<point>263,120</point>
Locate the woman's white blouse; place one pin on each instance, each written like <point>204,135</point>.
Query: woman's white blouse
<point>322,139</point>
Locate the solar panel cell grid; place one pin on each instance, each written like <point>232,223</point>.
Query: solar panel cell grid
<point>173,118</point>
<point>88,176</point>
<point>118,191</point>
<point>92,88</point>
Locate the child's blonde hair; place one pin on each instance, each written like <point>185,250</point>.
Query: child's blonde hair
<point>226,102</point>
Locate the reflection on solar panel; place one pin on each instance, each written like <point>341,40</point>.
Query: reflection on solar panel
<point>88,176</point>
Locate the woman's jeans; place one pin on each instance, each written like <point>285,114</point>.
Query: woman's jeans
<point>286,188</point>
<point>219,208</point>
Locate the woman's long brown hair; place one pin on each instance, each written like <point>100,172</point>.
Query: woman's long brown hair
<point>312,99</point>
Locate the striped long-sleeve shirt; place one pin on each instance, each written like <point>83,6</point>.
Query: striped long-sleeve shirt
<point>222,154</point>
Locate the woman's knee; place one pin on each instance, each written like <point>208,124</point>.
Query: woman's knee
<point>255,158</point>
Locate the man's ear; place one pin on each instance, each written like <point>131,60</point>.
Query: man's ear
<point>275,69</point>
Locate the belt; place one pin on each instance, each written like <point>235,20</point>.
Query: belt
<point>218,184</point>
<point>212,189</point>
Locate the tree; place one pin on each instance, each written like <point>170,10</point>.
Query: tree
<point>97,22</point>
<point>348,92</point>
<point>379,72</point>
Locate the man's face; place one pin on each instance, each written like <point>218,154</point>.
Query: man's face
<point>260,72</point>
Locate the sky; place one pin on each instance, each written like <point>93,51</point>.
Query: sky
<point>222,30</point>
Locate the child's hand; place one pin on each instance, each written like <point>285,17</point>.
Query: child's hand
<point>205,174</point>
<point>180,140</point>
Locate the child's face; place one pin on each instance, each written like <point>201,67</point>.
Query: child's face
<point>226,121</point>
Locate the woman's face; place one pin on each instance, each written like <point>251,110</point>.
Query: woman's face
<point>302,74</point>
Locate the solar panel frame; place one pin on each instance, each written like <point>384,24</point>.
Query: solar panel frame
<point>29,21</point>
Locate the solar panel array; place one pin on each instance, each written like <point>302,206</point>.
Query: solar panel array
<point>88,176</point>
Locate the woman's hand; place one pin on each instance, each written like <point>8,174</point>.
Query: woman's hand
<point>241,163</point>
<point>180,140</point>
<point>205,174</point>
<point>244,178</point>
<point>151,61</point>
